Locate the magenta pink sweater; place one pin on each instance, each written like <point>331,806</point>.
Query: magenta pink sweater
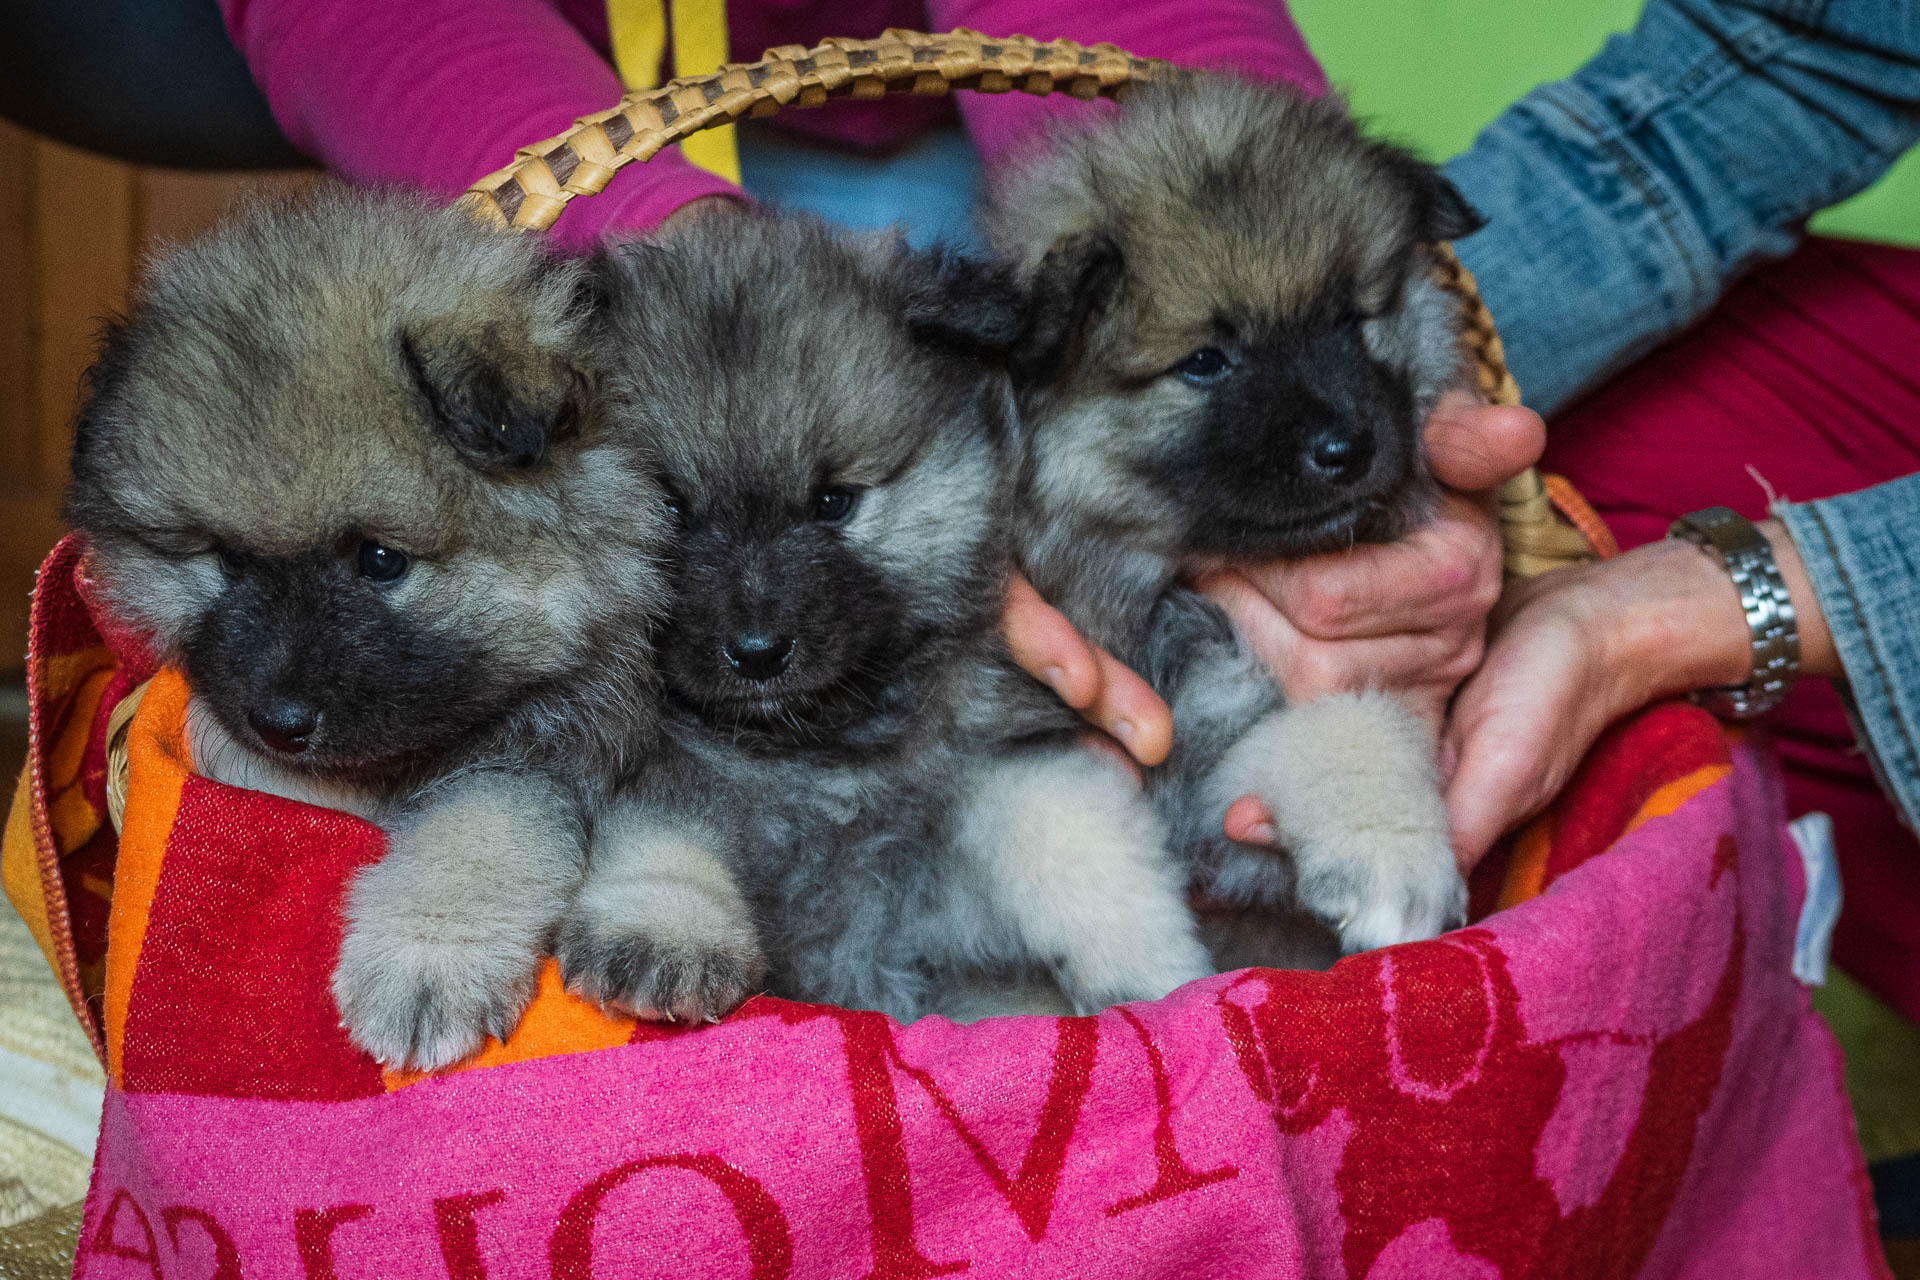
<point>440,92</point>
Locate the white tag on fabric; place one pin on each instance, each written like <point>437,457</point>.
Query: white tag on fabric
<point>1813,836</point>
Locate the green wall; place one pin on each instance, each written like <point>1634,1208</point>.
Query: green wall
<point>1431,73</point>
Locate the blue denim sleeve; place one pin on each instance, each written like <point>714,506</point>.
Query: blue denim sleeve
<point>1862,552</point>
<point>1621,200</point>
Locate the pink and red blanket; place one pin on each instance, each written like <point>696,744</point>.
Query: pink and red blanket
<point>1612,1073</point>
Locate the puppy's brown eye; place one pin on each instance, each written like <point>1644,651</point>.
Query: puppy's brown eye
<point>835,503</point>
<point>381,563</point>
<point>229,561</point>
<point>1208,364</point>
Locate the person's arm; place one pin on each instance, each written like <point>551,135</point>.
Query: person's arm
<point>1575,650</point>
<point>1256,37</point>
<point>438,93</point>
<point>1622,200</point>
<point>1862,557</point>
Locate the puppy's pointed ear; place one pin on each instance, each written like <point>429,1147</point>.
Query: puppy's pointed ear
<point>1441,211</point>
<point>965,305</point>
<point>1071,287</point>
<point>502,404</point>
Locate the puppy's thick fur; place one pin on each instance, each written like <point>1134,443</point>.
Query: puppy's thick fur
<point>1236,344</point>
<point>832,420</point>
<point>345,463</point>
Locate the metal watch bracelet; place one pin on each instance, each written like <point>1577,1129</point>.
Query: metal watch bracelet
<point>1733,540</point>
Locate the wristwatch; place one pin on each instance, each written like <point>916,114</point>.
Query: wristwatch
<point>1733,540</point>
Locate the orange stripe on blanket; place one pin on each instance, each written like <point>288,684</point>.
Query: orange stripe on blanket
<point>20,869</point>
<point>1528,869</point>
<point>555,1022</point>
<point>158,766</point>
<point>1676,793</point>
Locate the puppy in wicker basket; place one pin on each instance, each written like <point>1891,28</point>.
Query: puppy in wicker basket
<point>832,416</point>
<point>1241,342</point>
<point>345,464</point>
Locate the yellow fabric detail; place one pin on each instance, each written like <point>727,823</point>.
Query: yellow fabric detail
<point>637,30</point>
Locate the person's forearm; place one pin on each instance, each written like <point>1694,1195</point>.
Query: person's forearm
<point>1622,200</point>
<point>1255,37</point>
<point>440,92</point>
<point>1862,557</point>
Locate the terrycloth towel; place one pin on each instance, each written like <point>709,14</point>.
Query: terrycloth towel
<point>1613,1075</point>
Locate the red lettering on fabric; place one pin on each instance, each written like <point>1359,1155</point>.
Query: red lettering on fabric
<point>1682,1073</point>
<point>1173,1176</point>
<point>102,1243</point>
<point>1423,1050</point>
<point>313,1234</point>
<point>769,1240</point>
<point>883,1149</point>
<point>460,1235</point>
<point>226,1258</point>
<point>1030,1193</point>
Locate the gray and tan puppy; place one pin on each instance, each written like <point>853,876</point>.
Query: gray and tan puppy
<point>1237,342</point>
<point>346,464</point>
<point>858,779</point>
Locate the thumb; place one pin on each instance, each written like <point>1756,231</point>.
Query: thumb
<point>1262,627</point>
<point>1473,446</point>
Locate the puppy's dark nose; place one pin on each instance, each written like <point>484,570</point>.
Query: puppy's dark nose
<point>1340,454</point>
<point>758,655</point>
<point>284,725</point>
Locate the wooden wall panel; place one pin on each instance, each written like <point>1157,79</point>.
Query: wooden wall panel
<point>73,230</point>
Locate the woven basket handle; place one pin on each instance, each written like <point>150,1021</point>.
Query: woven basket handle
<point>531,192</point>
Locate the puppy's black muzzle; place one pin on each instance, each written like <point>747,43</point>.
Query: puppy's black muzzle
<point>303,658</point>
<point>781,626</point>
<point>1314,446</point>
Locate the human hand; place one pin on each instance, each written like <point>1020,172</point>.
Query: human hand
<point>1087,677</point>
<point>1574,650</point>
<point>1408,616</point>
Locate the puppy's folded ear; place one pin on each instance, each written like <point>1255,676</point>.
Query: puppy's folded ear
<point>965,305</point>
<point>1070,288</point>
<point>501,404</point>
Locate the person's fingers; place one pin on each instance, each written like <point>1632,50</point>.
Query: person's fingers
<point>1494,787</point>
<point>1264,629</point>
<point>1249,822</point>
<point>1445,574</point>
<point>1087,678</point>
<point>1472,446</point>
<point>1422,666</point>
<point>1129,709</point>
<point>1048,647</point>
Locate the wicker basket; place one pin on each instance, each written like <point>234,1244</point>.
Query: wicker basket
<point>530,193</point>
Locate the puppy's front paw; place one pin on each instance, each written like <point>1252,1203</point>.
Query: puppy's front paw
<point>426,1003</point>
<point>660,950</point>
<point>1381,889</point>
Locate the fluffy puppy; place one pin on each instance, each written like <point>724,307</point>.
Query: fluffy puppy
<point>1237,343</point>
<point>839,799</point>
<point>345,463</point>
